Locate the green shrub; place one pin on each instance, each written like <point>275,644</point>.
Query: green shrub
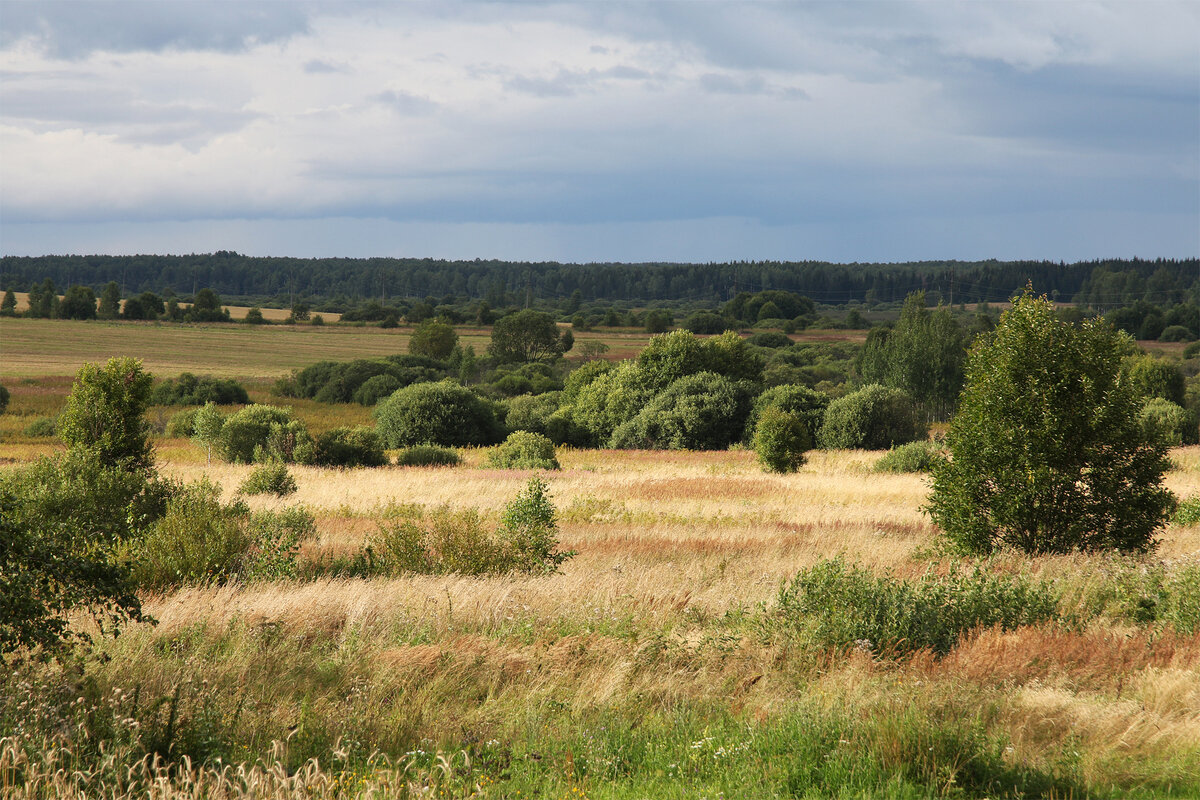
<point>4,397</point>
<point>434,339</point>
<point>189,390</point>
<point>275,539</point>
<point>809,405</point>
<point>287,442</point>
<point>706,322</point>
<point>835,605</point>
<point>41,427</point>
<point>428,455</point>
<point>105,412</point>
<point>920,456</point>
<point>781,439</point>
<point>181,425</point>
<point>1133,590</point>
<point>705,411</point>
<point>436,413</point>
<point>270,478</point>
<point>248,429</point>
<point>1188,512</point>
<point>349,447</point>
<point>873,418</point>
<point>375,389</point>
<point>1175,333</point>
<point>197,540</point>
<point>1192,350</point>
<point>770,339</point>
<point>529,530</point>
<point>1167,422</point>
<point>529,412</point>
<point>524,450</point>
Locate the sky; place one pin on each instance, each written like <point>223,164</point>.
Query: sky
<point>602,131</point>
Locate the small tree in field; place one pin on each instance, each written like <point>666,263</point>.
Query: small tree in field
<point>106,413</point>
<point>780,439</point>
<point>433,338</point>
<point>1048,454</point>
<point>206,428</point>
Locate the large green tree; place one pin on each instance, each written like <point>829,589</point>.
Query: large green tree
<point>1047,451</point>
<point>105,413</point>
<point>526,336</point>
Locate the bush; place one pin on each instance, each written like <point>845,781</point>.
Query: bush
<point>4,397</point>
<point>275,539</point>
<point>428,455</point>
<point>375,389</point>
<point>271,478</point>
<point>349,447</point>
<point>770,340</point>
<point>41,427</point>
<point>706,322</point>
<point>340,382</point>
<point>698,412</point>
<point>436,413</point>
<point>1192,350</point>
<point>249,429</point>
<point>781,439</point>
<point>529,530</point>
<point>181,425</point>
<point>188,390</point>
<point>832,605</point>
<point>1175,333</point>
<point>524,450</point>
<point>433,339</point>
<point>527,336</point>
<point>105,412</point>
<point>920,456</point>
<point>809,405</point>
<point>1167,422</point>
<point>1047,453</point>
<point>873,418</point>
<point>198,539</point>
<point>531,412</point>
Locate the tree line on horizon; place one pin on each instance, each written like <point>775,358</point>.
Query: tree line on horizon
<point>1101,284</point>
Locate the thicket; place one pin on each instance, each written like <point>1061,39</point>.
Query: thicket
<point>359,446</point>
<point>259,433</point>
<point>781,438</point>
<point>524,450</point>
<point>189,390</point>
<point>920,456</point>
<point>873,418</point>
<point>363,381</point>
<point>442,413</point>
<point>428,455</point>
<point>270,478</point>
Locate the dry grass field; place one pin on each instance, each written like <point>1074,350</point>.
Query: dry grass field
<point>652,665</point>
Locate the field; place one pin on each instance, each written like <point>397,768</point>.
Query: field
<point>655,664</point>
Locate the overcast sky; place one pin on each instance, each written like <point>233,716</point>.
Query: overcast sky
<point>691,131</point>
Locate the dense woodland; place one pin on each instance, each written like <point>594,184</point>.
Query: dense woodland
<point>344,282</point>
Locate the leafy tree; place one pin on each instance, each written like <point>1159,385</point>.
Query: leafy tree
<point>873,418</point>
<point>206,428</point>
<point>1047,451</point>
<point>249,430</point>
<point>300,313</point>
<point>807,404</point>
<point>1155,377</point>
<point>78,303</point>
<point>433,339</point>
<point>526,336</point>
<point>255,317</point>
<point>923,355</point>
<point>1168,422</point>
<point>43,300</point>
<point>8,307</point>
<point>529,529</point>
<point>705,411</point>
<point>110,301</point>
<point>780,439</point>
<point>105,413</point>
<point>442,413</point>
<point>658,320</point>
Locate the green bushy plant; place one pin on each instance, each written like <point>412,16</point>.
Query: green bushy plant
<point>269,478</point>
<point>428,455</point>
<point>781,439</point>
<point>806,403</point>
<point>524,450</point>
<point>375,389</point>
<point>247,429</point>
<point>920,456</point>
<point>529,530</point>
<point>835,605</point>
<point>287,442</point>
<point>442,413</point>
<point>529,412</point>
<point>1167,422</point>
<point>41,427</point>
<point>189,390</point>
<point>181,424</point>
<point>275,538</point>
<point>105,412</point>
<point>873,418</point>
<point>358,446</point>
<point>705,411</point>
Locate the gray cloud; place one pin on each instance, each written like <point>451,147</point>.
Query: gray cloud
<point>75,28</point>
<point>404,102</point>
<point>318,67</point>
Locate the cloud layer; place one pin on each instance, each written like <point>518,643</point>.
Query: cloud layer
<point>687,131</point>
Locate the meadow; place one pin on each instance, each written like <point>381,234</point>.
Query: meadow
<point>657,663</point>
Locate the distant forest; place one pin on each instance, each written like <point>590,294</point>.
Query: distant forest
<point>1098,284</point>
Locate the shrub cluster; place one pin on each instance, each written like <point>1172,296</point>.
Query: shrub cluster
<point>873,418</point>
<point>524,450</point>
<point>270,478</point>
<point>344,382</point>
<point>428,455</point>
<point>442,413</point>
<point>358,446</point>
<point>189,390</point>
<point>920,456</point>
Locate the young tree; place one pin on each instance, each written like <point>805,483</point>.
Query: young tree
<point>1048,454</point>
<point>110,301</point>
<point>78,303</point>
<point>105,413</point>
<point>8,308</point>
<point>206,428</point>
<point>526,336</point>
<point>434,339</point>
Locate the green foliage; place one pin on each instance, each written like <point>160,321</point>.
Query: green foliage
<point>428,455</point>
<point>1047,451</point>
<point>287,442</point>
<point>105,412</point>
<point>4,398</point>
<point>873,418</point>
<point>8,306</point>
<point>375,389</point>
<point>343,382</point>
<point>41,427</point>
<point>1188,512</point>
<point>529,530</point>
<point>835,605</point>
<point>188,390</point>
<point>433,339</point>
<point>449,541</point>
<point>1152,377</point>
<point>526,336</point>
<point>249,429</point>
<point>770,339</point>
<point>349,447</point>
<point>778,304</point>
<point>524,450</point>
<point>781,439</point>
<point>921,456</point>
<point>705,411</point>
<point>255,317</point>
<point>62,520</point>
<point>197,540</point>
<point>1176,333</point>
<point>706,322</point>
<point>270,478</point>
<point>110,301</point>
<point>181,424</point>
<point>923,355</point>
<point>530,412</point>
<point>658,320</point>
<point>1164,421</point>
<point>206,426</point>
<point>807,404</point>
<point>436,413</point>
<point>274,543</point>
<point>78,303</point>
